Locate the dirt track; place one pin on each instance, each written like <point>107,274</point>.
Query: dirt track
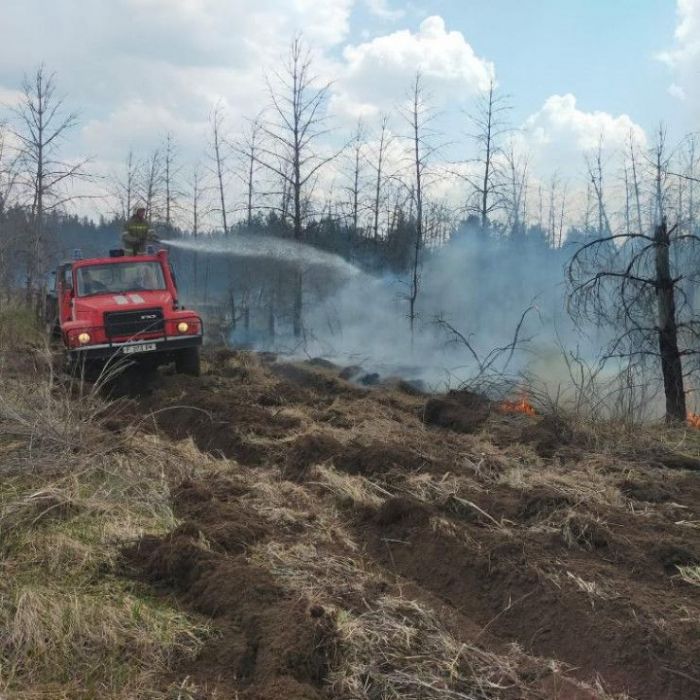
<point>345,545</point>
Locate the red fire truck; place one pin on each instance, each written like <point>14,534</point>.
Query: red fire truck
<point>124,307</point>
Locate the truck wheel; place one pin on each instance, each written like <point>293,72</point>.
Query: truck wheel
<point>187,362</point>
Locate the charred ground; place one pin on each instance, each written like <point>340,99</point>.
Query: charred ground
<point>377,542</point>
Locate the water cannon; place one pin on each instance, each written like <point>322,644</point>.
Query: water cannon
<point>77,254</point>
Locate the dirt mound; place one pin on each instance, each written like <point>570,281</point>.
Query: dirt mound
<point>541,503</point>
<point>323,382</point>
<point>495,586</point>
<point>461,411</point>
<point>646,490</point>
<point>377,457</point>
<point>547,435</point>
<point>582,557</point>
<point>308,450</point>
<point>351,372</point>
<point>218,414</point>
<point>284,393</point>
<point>266,643</point>
<point>406,511</point>
<point>284,687</point>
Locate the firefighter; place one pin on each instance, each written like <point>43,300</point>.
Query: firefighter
<point>137,233</point>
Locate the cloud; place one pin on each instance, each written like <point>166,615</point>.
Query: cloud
<point>560,133</point>
<point>133,69</point>
<point>377,74</point>
<point>381,9</point>
<point>683,58</point>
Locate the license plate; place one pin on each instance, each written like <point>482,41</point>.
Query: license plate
<point>141,347</point>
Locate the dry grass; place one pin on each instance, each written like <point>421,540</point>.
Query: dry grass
<point>690,574</point>
<point>399,649</point>
<point>19,328</point>
<point>72,494</point>
<point>349,489</point>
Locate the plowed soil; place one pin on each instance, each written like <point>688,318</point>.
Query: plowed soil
<point>375,542</point>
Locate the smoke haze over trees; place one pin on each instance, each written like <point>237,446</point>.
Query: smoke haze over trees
<point>420,236</point>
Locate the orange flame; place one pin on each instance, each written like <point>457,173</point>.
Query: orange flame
<point>522,405</point>
<point>693,420</point>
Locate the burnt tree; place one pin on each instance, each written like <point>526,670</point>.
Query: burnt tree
<point>629,282</point>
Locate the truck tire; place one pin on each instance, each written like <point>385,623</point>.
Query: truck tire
<point>187,362</point>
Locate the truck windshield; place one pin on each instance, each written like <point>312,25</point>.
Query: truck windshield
<point>116,278</point>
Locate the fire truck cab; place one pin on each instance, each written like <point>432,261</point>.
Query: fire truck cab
<point>124,307</point>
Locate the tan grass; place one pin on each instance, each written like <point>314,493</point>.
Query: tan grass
<point>72,494</point>
<point>349,489</point>
<point>690,574</point>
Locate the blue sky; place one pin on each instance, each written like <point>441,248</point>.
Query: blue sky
<point>603,51</point>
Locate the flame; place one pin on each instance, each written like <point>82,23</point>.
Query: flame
<point>521,405</point>
<point>693,420</point>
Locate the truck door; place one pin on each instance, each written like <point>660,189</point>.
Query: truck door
<point>64,291</point>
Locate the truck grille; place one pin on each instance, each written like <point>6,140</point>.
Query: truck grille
<point>119,324</point>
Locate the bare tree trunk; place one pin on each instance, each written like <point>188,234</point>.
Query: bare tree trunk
<point>379,178</point>
<point>691,183</point>
<point>129,186</point>
<point>562,217</point>
<point>196,194</point>
<point>671,366</point>
<point>628,221</point>
<point>417,110</point>
<point>217,143</point>
<point>487,160</point>
<point>153,185</point>
<point>248,148</point>
<point>635,185</point>
<point>595,174</point>
<point>169,163</point>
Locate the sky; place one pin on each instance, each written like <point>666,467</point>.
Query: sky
<point>574,69</point>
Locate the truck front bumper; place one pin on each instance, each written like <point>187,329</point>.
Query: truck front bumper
<point>132,350</point>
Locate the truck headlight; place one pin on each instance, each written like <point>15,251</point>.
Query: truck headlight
<point>84,338</point>
<point>183,327</point>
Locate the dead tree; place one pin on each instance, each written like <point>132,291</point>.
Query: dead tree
<point>199,211</point>
<point>635,183</point>
<point>516,191</point>
<point>254,137</point>
<point>594,164</point>
<point>418,116</point>
<point>8,175</point>
<point>354,188</point>
<point>490,126</point>
<point>8,170</point>
<point>379,167</point>
<point>219,154</point>
<point>126,187</point>
<point>46,179</point>
<point>152,185</point>
<point>294,124</point>
<point>170,176</point>
<point>639,285</point>
<point>692,160</point>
